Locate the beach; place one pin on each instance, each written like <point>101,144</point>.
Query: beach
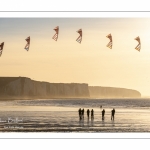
<point>60,115</point>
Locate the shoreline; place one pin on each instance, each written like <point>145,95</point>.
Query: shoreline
<point>69,98</point>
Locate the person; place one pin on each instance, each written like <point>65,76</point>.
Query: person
<point>112,114</point>
<point>83,112</point>
<point>88,113</point>
<point>79,113</point>
<point>100,106</point>
<point>92,113</point>
<point>103,113</point>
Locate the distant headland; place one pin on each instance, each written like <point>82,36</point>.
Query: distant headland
<point>25,88</point>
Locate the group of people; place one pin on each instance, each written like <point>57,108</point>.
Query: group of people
<point>92,113</point>
<point>81,113</point>
<point>112,114</point>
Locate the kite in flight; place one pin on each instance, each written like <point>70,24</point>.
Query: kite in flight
<point>110,43</point>
<point>1,48</point>
<point>55,37</point>
<point>79,39</point>
<point>28,43</point>
<point>138,47</point>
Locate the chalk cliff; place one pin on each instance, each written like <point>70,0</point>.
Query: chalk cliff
<point>22,87</point>
<point>25,87</point>
<point>111,92</point>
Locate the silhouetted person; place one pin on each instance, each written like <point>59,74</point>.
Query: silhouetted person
<point>83,112</point>
<point>92,113</point>
<point>100,106</point>
<point>80,113</point>
<point>112,114</point>
<point>88,113</point>
<point>103,113</point>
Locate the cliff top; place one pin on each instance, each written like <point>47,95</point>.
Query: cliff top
<point>6,80</point>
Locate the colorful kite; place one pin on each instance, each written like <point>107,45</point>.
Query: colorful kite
<point>110,43</point>
<point>55,37</point>
<point>79,39</point>
<point>138,47</point>
<point>1,48</point>
<point>28,43</point>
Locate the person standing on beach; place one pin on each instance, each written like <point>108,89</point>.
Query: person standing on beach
<point>113,114</point>
<point>103,113</point>
<point>92,113</point>
<point>79,113</point>
<point>88,113</point>
<point>83,112</point>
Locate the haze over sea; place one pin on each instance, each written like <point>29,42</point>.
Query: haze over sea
<point>61,115</point>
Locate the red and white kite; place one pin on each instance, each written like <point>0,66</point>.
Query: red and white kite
<point>28,43</point>
<point>138,47</point>
<point>110,42</point>
<point>79,39</point>
<point>1,48</point>
<point>55,37</point>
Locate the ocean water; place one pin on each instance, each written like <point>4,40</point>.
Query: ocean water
<point>61,115</point>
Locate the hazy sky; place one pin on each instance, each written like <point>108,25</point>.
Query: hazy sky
<point>68,61</point>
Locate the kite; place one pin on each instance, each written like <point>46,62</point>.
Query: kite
<point>110,43</point>
<point>55,37</point>
<point>1,48</point>
<point>79,39</point>
<point>28,43</point>
<point>138,47</point>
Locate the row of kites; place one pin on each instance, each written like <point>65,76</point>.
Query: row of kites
<point>79,40</point>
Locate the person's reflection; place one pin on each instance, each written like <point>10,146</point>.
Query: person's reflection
<point>103,123</point>
<point>113,123</point>
<point>81,121</point>
<point>88,122</point>
<point>92,121</point>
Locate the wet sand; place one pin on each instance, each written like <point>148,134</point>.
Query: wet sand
<point>62,116</point>
<point>64,120</point>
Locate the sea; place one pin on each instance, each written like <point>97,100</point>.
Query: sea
<point>61,115</point>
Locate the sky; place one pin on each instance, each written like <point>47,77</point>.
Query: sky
<point>67,61</point>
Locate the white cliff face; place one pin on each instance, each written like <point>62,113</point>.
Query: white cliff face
<point>29,88</point>
<point>13,88</point>
<point>67,90</point>
<point>97,91</point>
<point>25,87</point>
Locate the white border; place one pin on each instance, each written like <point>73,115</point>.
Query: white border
<point>74,14</point>
<point>74,5</point>
<point>50,135</point>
